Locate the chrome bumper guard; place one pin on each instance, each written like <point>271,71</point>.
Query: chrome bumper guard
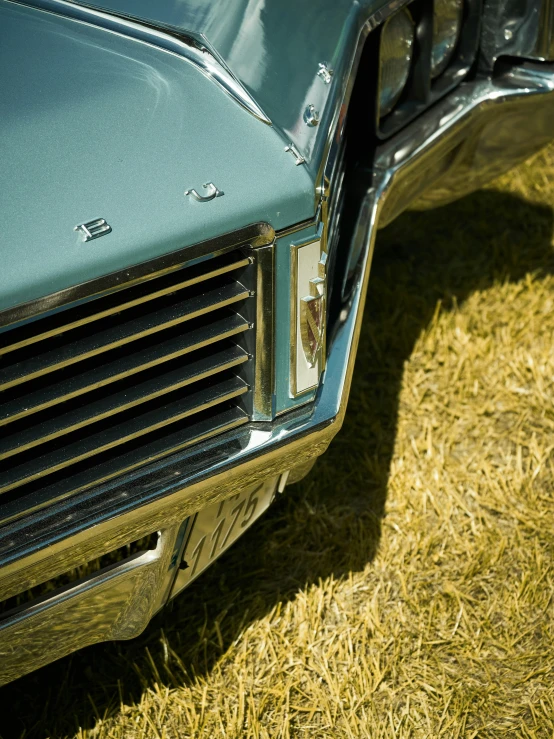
<point>483,128</point>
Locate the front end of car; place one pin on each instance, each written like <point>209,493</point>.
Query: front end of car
<point>188,252</point>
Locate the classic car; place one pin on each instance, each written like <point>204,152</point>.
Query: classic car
<point>190,195</point>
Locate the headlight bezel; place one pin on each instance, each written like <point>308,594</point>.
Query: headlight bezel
<point>403,16</point>
<point>450,42</point>
<point>422,90</point>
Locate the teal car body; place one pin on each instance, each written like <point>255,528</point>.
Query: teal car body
<point>190,196</point>
<point>94,122</point>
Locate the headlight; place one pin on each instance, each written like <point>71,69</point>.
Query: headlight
<point>395,57</point>
<point>447,22</point>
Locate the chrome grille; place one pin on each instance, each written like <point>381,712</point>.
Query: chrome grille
<point>117,381</point>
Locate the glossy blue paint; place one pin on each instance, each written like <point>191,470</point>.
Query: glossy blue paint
<point>274,47</point>
<point>97,125</point>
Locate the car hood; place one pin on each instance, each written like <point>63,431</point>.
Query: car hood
<point>95,124</point>
<point>275,48</point>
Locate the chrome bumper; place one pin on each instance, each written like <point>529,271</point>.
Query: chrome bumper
<point>484,128</point>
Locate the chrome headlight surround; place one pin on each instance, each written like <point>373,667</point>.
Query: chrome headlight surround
<point>447,25</point>
<point>430,78</point>
<point>395,58</point>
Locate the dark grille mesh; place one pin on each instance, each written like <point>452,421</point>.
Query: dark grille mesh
<point>126,378</point>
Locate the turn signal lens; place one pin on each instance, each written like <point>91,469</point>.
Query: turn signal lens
<point>395,58</point>
<point>447,22</point>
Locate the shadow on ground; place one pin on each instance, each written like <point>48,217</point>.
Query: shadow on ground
<point>330,523</point>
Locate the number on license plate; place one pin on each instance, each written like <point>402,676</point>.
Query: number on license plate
<point>216,527</point>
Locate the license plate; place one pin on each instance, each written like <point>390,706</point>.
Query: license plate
<point>216,527</point>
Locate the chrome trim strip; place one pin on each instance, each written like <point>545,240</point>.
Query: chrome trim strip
<point>64,327</point>
<point>13,410</point>
<point>264,377</point>
<point>111,338</point>
<point>255,235</point>
<point>298,405</point>
<point>195,51</point>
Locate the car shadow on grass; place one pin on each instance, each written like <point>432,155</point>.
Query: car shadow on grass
<point>330,523</point>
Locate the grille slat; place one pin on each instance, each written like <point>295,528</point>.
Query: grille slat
<point>118,380</point>
<point>122,333</point>
<point>122,432</point>
<point>112,304</point>
<point>198,428</point>
<point>157,353</point>
<point>118,402</point>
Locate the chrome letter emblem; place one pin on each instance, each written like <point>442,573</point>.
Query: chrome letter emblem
<point>325,73</point>
<point>93,229</point>
<point>299,159</point>
<point>312,320</point>
<point>213,192</point>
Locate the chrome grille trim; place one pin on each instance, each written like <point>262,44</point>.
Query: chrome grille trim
<point>255,235</point>
<point>199,430</point>
<point>120,379</point>
<point>223,328</point>
<point>121,401</point>
<point>116,435</point>
<point>116,336</point>
<point>117,307</point>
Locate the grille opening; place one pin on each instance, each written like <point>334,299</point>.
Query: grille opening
<point>49,588</point>
<point>127,457</point>
<point>142,394</point>
<point>122,363</point>
<point>98,308</point>
<point>118,329</point>
<point>122,380</point>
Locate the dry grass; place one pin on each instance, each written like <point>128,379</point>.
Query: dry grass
<point>405,588</point>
